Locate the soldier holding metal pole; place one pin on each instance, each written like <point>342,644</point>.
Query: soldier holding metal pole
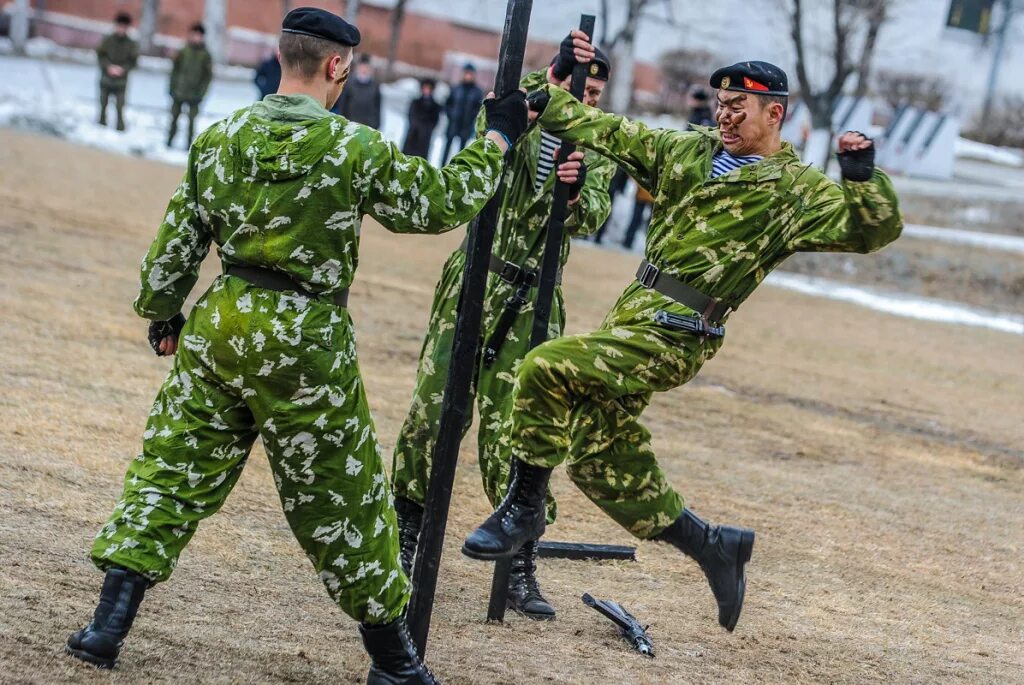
<point>508,318</point>
<point>730,205</point>
<point>281,187</point>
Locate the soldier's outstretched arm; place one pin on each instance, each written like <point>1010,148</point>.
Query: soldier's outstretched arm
<point>171,267</point>
<point>636,147</point>
<point>860,215</point>
<point>409,195</point>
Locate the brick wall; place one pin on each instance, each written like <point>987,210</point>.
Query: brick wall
<point>427,42</point>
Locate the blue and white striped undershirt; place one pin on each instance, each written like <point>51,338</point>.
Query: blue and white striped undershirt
<point>723,162</point>
<point>546,160</point>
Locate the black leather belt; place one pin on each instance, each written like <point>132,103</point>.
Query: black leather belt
<point>510,272</point>
<point>281,282</point>
<point>708,307</point>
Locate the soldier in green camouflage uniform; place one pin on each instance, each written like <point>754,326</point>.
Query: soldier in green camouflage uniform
<point>269,350</point>
<point>117,55</point>
<point>519,242</point>
<point>190,77</point>
<point>714,236</point>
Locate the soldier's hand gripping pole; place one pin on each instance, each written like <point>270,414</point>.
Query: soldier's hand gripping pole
<point>545,294</point>
<point>559,209</point>
<point>463,366</point>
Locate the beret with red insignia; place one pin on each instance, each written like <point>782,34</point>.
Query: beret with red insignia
<point>312,21</point>
<point>761,78</point>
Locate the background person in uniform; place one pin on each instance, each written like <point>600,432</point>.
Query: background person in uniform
<point>268,351</point>
<point>517,254</point>
<point>461,108</point>
<point>732,204</point>
<point>268,76</point>
<point>360,101</point>
<point>700,113</point>
<point>424,113</point>
<point>190,77</point>
<point>641,215</point>
<point>117,55</point>
<point>615,188</point>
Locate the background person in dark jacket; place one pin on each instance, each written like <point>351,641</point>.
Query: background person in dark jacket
<point>360,100</point>
<point>268,76</point>
<point>424,113</point>
<point>461,108</point>
<point>190,77</point>
<point>117,55</point>
<point>700,113</point>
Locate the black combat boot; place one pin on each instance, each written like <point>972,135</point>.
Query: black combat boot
<point>722,552</point>
<point>100,642</point>
<point>410,519</point>
<point>393,655</point>
<point>519,518</point>
<point>524,595</point>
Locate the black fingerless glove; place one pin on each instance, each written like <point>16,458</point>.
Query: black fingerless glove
<point>858,165</point>
<point>508,115</point>
<point>566,60</point>
<point>158,330</point>
<point>575,188</point>
<point>538,101</point>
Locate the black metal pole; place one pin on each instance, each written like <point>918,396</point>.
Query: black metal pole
<point>464,355</point>
<point>559,208</point>
<point>545,296</point>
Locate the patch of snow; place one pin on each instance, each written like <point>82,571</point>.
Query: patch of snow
<point>972,149</point>
<point>956,236</point>
<point>898,304</point>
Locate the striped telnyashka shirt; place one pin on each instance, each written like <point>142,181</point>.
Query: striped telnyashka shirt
<point>546,161</point>
<point>723,162</point>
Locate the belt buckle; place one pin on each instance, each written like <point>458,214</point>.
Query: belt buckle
<point>511,273</point>
<point>649,275</point>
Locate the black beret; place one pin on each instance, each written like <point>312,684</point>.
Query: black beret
<point>599,68</point>
<point>312,21</point>
<point>761,78</point>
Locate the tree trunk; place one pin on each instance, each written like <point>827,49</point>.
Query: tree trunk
<point>215,17</point>
<point>20,25</point>
<point>147,25</point>
<point>621,85</point>
<point>876,18</point>
<point>397,17</point>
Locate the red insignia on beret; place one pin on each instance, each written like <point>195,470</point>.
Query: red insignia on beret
<point>751,84</point>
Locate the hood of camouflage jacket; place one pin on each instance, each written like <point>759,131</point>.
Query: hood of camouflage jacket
<point>284,137</point>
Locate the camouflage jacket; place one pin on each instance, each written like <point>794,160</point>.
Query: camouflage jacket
<point>284,184</point>
<point>524,213</point>
<point>724,235</point>
<point>115,50</point>
<point>191,74</point>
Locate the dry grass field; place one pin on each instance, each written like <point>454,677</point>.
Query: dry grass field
<point>879,459</point>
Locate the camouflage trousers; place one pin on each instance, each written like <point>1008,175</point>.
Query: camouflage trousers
<point>492,387</point>
<point>578,400</point>
<point>254,362</point>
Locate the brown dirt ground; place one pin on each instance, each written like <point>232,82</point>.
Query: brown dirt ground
<point>878,458</point>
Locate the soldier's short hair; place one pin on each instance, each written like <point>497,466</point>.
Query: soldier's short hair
<point>769,99</point>
<point>304,54</point>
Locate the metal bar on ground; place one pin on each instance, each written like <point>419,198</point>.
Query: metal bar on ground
<point>464,353</point>
<point>548,277</point>
<point>580,551</point>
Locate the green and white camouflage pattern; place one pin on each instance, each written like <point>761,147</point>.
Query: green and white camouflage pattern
<point>520,237</point>
<point>578,399</point>
<point>282,185</point>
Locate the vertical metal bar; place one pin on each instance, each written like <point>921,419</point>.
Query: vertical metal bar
<point>559,208</point>
<point>463,363</point>
<point>545,295</point>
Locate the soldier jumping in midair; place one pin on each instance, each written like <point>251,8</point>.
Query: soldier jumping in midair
<point>729,206</point>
